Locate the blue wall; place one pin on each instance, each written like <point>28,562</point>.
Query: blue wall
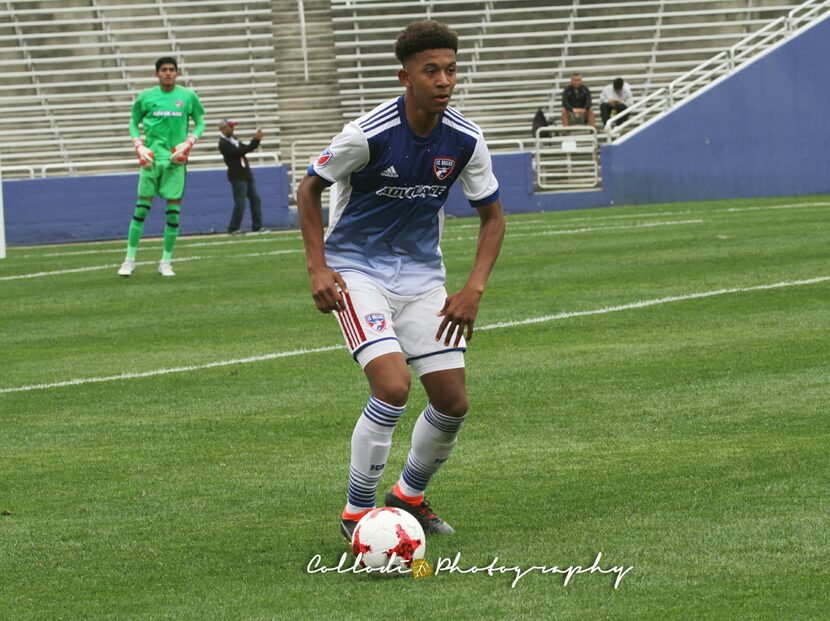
<point>761,132</point>
<point>100,207</point>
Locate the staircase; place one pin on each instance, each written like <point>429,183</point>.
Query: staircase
<point>309,102</point>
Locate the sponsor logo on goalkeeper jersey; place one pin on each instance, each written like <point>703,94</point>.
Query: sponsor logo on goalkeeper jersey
<point>442,167</point>
<point>416,191</point>
<point>167,112</point>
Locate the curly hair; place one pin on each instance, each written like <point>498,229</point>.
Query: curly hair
<point>423,35</point>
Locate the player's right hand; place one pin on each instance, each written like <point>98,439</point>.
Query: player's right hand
<point>145,156</point>
<point>327,287</point>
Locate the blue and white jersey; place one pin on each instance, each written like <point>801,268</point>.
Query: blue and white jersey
<point>391,186</point>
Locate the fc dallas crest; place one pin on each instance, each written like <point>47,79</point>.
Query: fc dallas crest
<point>376,321</point>
<point>443,167</point>
<point>324,158</point>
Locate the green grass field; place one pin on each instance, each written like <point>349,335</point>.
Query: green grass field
<point>686,437</point>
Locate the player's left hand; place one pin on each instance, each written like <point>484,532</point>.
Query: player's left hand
<point>459,312</point>
<point>182,150</point>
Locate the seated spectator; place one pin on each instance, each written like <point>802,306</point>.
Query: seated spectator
<point>614,101</point>
<point>576,103</point>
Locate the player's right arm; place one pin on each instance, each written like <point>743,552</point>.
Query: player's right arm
<point>145,155</point>
<point>135,118</point>
<point>348,152</point>
<point>326,284</point>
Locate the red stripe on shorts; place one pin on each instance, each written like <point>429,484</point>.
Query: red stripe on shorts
<point>350,306</point>
<point>343,326</point>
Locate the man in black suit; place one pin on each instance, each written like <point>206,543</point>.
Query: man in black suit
<point>241,177</point>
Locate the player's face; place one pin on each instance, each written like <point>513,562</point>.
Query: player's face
<point>167,75</point>
<point>430,78</point>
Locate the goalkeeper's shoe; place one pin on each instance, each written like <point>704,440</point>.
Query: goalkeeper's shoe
<point>166,268</point>
<point>182,150</point>
<point>127,267</point>
<point>145,156</point>
<point>431,523</point>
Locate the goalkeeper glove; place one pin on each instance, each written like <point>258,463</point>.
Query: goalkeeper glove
<point>182,150</point>
<point>145,156</point>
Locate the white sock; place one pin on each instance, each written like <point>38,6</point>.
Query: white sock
<point>371,440</point>
<point>433,439</point>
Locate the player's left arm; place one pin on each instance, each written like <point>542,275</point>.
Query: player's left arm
<point>461,308</point>
<point>182,150</point>
<point>198,116</point>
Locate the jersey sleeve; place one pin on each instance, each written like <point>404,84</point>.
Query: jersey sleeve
<point>198,116</point>
<point>135,118</point>
<point>477,179</point>
<point>347,153</point>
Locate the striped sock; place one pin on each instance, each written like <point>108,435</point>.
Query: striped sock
<point>433,439</point>
<point>371,440</point>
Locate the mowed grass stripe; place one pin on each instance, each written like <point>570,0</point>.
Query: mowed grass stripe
<point>493,326</point>
<point>179,259</point>
<point>688,440</point>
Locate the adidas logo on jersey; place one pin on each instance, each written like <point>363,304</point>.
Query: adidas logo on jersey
<point>390,172</point>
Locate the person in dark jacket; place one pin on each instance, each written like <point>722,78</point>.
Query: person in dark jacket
<point>576,103</point>
<point>240,176</point>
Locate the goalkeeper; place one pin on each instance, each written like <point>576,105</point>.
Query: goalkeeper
<point>164,112</point>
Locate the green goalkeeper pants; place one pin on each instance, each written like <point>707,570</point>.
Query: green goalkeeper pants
<point>164,179</point>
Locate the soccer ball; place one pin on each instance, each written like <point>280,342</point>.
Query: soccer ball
<point>387,532</point>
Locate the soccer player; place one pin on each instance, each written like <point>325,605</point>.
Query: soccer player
<point>164,112</point>
<point>380,269</point>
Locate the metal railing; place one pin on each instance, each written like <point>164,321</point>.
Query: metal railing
<point>718,66</point>
<point>566,158</point>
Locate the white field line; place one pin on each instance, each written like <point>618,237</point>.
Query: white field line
<point>654,302</point>
<point>653,214</point>
<point>588,229</point>
<point>789,206</point>
<point>151,246</point>
<point>493,326</point>
<point>298,250</point>
<point>113,266</point>
<point>186,369</point>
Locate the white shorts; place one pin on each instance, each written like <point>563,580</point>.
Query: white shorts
<point>378,322</point>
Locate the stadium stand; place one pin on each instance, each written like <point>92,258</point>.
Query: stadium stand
<point>518,55</point>
<point>69,69</point>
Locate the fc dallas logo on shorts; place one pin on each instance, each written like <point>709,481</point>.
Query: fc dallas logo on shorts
<point>324,157</point>
<point>376,321</point>
<point>442,167</point>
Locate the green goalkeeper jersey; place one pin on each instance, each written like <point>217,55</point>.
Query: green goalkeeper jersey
<point>165,118</point>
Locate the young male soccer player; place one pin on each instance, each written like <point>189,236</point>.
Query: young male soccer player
<point>164,113</point>
<point>379,267</point>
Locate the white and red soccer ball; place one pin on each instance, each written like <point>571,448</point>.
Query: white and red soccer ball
<point>388,537</point>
